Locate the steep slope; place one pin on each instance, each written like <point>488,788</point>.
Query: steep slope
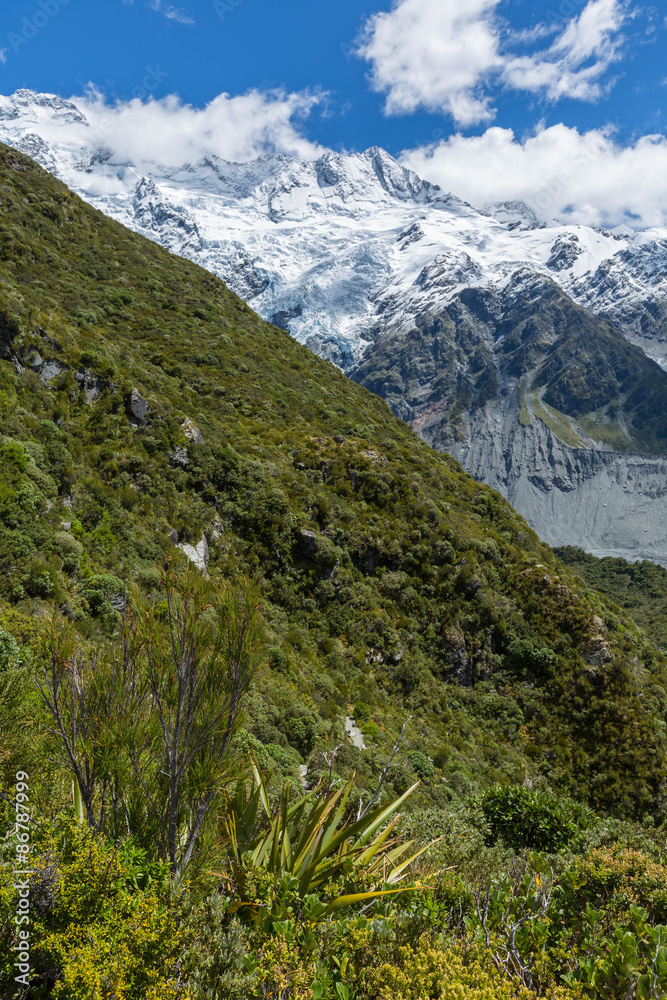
<point>359,258</point>
<point>640,588</point>
<point>145,406</point>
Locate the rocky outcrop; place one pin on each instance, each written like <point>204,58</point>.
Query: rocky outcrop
<point>137,407</point>
<point>197,554</point>
<point>191,432</point>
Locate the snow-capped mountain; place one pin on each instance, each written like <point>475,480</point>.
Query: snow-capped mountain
<point>331,248</point>
<point>366,263</point>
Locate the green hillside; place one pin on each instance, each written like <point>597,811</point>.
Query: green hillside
<point>639,588</point>
<point>144,405</point>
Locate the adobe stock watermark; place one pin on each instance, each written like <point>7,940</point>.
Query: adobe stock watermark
<point>22,873</point>
<point>31,26</point>
<point>224,7</point>
<point>566,10</point>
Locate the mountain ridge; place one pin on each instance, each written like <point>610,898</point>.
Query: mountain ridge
<point>148,412</point>
<point>353,254</point>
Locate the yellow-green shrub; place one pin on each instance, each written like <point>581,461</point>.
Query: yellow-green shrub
<point>433,974</point>
<point>97,933</point>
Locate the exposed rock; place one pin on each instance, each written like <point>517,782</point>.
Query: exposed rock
<point>354,733</point>
<point>564,252</point>
<point>180,456</point>
<point>137,407</point>
<point>283,316</point>
<point>243,277</point>
<point>50,370</point>
<point>171,224</point>
<point>596,650</point>
<point>307,541</point>
<point>91,385</point>
<point>458,657</point>
<point>192,432</point>
<point>412,234</point>
<point>607,504</point>
<point>198,555</point>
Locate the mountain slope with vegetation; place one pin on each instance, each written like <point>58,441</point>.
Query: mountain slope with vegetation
<point>146,408</point>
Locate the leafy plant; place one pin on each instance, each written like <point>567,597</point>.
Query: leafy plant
<point>311,848</point>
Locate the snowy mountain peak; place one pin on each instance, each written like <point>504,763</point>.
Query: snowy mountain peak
<point>28,106</point>
<point>517,215</point>
<point>345,247</point>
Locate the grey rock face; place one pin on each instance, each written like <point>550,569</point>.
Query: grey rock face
<point>137,407</point>
<point>456,376</point>
<point>50,370</point>
<point>172,226</point>
<point>603,502</point>
<point>192,432</point>
<point>564,253</point>
<point>283,316</point>
<point>242,276</point>
<point>197,554</point>
<point>91,385</point>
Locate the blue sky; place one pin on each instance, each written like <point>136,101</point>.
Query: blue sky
<point>415,76</point>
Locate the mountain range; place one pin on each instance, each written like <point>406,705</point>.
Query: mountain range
<point>532,350</point>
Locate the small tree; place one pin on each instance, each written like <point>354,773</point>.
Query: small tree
<point>84,692</point>
<point>152,718</point>
<point>199,657</point>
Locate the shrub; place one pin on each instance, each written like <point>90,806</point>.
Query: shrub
<point>442,975</point>
<point>10,654</point>
<point>527,818</point>
<point>421,764</point>
<point>362,713</point>
<point>526,657</point>
<point>96,934</point>
<point>69,549</point>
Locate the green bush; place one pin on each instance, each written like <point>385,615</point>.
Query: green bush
<point>69,549</point>
<point>10,653</point>
<point>421,764</point>
<point>538,820</point>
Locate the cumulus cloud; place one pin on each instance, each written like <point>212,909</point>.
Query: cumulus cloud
<point>583,177</point>
<point>169,132</point>
<point>445,56</point>
<point>426,53</point>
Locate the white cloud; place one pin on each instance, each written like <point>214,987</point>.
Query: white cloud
<point>574,65</point>
<point>444,56</point>
<point>173,13</point>
<point>561,172</point>
<point>430,54</point>
<point>172,133</point>
<point>169,11</point>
